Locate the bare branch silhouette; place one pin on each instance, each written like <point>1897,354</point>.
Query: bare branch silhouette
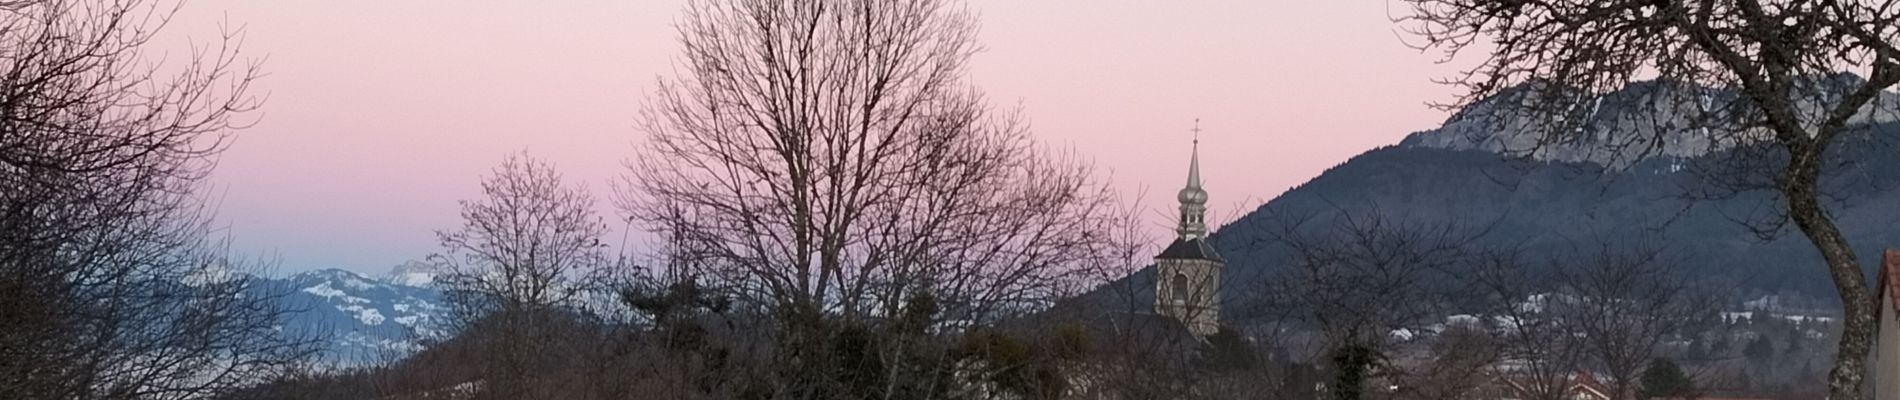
<point>111,282</point>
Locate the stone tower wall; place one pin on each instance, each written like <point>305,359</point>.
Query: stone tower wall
<point>1198,306</point>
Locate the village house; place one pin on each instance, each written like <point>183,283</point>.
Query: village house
<point>1582,385</point>
<point>1886,377</point>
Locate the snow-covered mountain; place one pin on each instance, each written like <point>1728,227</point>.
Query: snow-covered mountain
<point>361,319</point>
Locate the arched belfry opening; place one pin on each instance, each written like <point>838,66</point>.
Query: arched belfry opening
<point>1179,289</point>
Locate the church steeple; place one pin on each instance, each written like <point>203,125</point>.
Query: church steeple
<point>1187,272</point>
<point>1193,224</point>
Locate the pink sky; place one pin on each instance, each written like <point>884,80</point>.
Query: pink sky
<point>382,114</point>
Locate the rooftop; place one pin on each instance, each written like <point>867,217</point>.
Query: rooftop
<point>1190,249</point>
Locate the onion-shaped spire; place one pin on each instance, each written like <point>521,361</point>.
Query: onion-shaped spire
<point>1193,199</point>
<point>1193,194</point>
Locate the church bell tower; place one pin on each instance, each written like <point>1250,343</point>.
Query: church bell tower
<point>1187,273</point>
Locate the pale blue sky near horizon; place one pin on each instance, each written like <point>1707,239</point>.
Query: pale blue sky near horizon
<point>382,115</point>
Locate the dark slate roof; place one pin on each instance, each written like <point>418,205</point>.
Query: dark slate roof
<point>1196,249</point>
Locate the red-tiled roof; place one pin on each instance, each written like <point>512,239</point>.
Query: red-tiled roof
<point>1734,396</point>
<point>1889,282</point>
<point>1586,383</point>
<point>1581,383</point>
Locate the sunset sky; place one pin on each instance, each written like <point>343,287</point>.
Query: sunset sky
<point>382,114</point>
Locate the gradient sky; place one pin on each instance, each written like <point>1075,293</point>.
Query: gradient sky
<point>382,114</point>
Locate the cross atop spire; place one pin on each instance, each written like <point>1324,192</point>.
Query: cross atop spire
<point>1197,132</point>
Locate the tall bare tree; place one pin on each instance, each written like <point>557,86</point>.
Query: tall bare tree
<point>1626,302</point>
<point>827,157</point>
<point>1368,282</point>
<point>111,286</point>
<point>1756,76</point>
<point>516,272</point>
<point>1537,345</point>
<point>826,161</point>
<point>526,243</point>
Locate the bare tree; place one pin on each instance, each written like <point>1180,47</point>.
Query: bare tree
<point>827,157</point>
<point>1368,282</point>
<point>111,284</point>
<point>1458,363</point>
<point>1608,309</point>
<point>1625,303</point>
<point>1538,347</point>
<point>525,243</point>
<point>516,271</point>
<point>826,161</point>
<point>1756,76</point>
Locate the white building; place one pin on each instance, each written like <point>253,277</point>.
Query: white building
<point>1887,353</point>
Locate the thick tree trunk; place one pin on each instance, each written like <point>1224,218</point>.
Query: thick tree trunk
<point>1858,323</point>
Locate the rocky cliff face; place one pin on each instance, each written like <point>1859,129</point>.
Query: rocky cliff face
<point>1617,129</point>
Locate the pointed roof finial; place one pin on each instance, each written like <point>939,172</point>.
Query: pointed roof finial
<point>1194,160</point>
<point>1197,132</point>
<point>1193,199</point>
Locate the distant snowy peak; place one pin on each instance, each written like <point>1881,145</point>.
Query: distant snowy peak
<point>1643,120</point>
<point>337,277</point>
<point>361,316</point>
<point>414,273</point>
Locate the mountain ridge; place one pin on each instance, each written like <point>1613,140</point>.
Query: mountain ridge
<point>359,319</point>
<point>1624,126</point>
<point>1548,203</point>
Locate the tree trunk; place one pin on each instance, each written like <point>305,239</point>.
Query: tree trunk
<point>1858,324</point>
